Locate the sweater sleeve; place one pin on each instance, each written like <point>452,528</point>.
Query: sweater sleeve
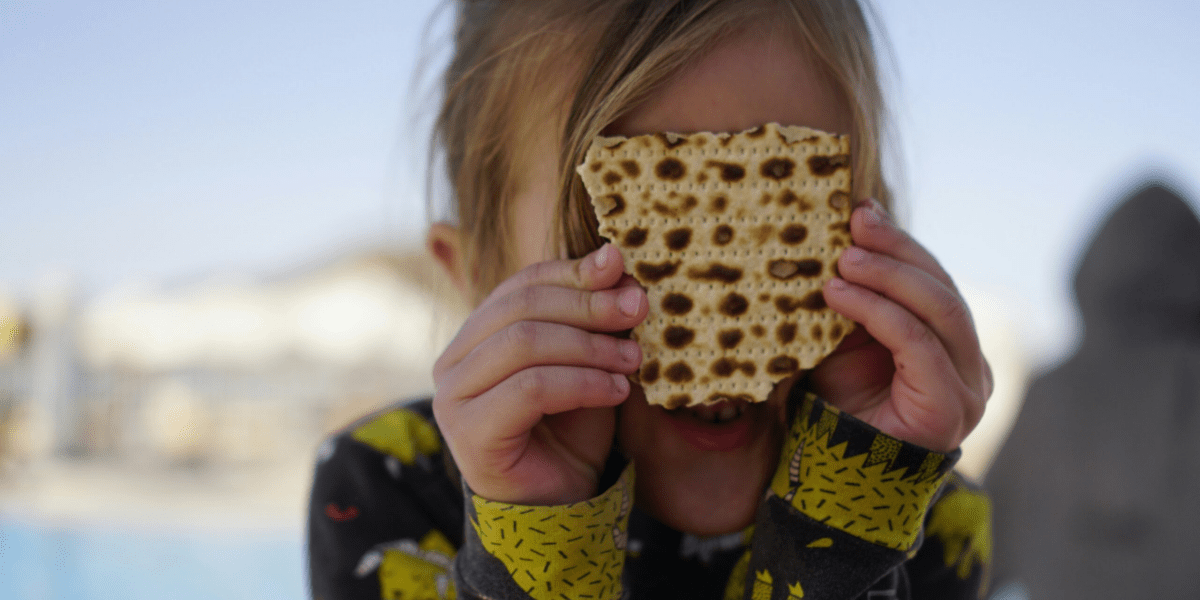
<point>546,552</point>
<point>847,510</point>
<point>384,519</point>
<point>955,559</point>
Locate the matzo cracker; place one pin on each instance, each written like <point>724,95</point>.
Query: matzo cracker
<point>732,235</point>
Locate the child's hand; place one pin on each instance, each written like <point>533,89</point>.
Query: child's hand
<point>525,392</point>
<point>914,368</point>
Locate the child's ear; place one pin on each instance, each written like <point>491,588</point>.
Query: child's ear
<point>445,244</point>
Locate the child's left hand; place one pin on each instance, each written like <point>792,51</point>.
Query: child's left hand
<point>913,369</point>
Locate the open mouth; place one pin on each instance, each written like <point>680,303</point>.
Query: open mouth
<point>720,427</point>
<point>719,413</point>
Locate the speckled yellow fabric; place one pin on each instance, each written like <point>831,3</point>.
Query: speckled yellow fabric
<point>552,552</point>
<point>871,494</point>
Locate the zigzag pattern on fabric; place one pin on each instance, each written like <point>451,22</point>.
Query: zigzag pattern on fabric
<point>849,475</point>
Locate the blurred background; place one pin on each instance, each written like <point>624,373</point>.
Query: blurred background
<point>211,219</point>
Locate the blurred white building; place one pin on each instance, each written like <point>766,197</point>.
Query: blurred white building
<point>359,312</point>
<point>234,371</point>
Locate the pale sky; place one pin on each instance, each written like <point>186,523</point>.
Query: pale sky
<point>160,142</point>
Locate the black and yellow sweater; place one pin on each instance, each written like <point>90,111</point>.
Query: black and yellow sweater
<point>850,513</point>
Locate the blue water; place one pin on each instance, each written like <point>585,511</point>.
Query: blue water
<point>48,562</point>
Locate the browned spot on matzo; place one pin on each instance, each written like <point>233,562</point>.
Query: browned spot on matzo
<point>730,338</point>
<point>793,234</point>
<point>677,400</point>
<point>670,169</point>
<point>676,304</point>
<point>733,305</point>
<point>778,168</point>
<point>635,237</point>
<point>785,333</point>
<point>649,371</point>
<point>655,272</point>
<point>729,172</point>
<point>784,268</point>
<point>678,372</point>
<point>677,336</point>
<point>722,235</point>
<point>824,166</point>
<point>716,272</point>
<point>677,239</point>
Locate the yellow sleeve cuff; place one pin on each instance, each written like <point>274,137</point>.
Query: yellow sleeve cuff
<point>573,551</point>
<point>844,473</point>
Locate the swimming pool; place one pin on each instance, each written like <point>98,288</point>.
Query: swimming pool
<point>51,561</point>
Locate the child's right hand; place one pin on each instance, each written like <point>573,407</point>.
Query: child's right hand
<point>527,390</point>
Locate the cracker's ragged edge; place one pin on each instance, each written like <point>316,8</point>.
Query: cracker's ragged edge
<point>733,236</point>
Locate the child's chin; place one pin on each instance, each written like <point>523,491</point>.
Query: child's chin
<point>701,512</point>
<point>702,500</point>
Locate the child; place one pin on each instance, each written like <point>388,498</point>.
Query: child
<point>560,480</point>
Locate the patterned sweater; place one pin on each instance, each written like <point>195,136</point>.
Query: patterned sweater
<point>850,513</point>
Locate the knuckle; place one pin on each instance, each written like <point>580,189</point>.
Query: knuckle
<point>978,398</point>
<point>580,274</point>
<point>516,281</point>
<point>439,405</point>
<point>532,383</point>
<point>894,274</point>
<point>539,272</point>
<point>439,369</point>
<point>523,337</point>
<point>953,309</point>
<point>593,305</point>
<point>443,413</point>
<point>598,382</point>
<point>445,362</point>
<point>916,331</point>
<point>974,413</point>
<point>988,379</point>
<point>602,346</point>
<point>523,302</point>
<point>881,232</point>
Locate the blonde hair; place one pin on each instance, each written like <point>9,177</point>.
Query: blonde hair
<point>518,63</point>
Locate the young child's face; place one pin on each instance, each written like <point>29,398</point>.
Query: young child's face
<point>693,475</point>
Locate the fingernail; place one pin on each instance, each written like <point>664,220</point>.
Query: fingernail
<point>629,351</point>
<point>601,257</point>
<point>630,301</point>
<point>622,383</point>
<point>836,284</point>
<point>855,255</point>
